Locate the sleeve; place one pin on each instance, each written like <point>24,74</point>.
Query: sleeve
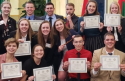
<point>65,58</point>
<point>123,30</point>
<point>90,57</point>
<point>76,25</point>
<point>34,41</point>
<point>73,32</point>
<point>27,67</point>
<point>123,62</point>
<point>14,24</point>
<point>79,21</point>
<point>101,19</point>
<point>62,18</point>
<point>94,60</point>
<point>12,34</point>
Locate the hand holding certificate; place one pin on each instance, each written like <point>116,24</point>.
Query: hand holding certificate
<point>111,62</point>
<point>24,49</point>
<point>112,20</point>
<point>77,65</point>
<point>35,24</point>
<point>11,70</point>
<point>43,74</point>
<point>92,22</point>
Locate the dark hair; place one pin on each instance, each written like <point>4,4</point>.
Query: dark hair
<point>29,2</point>
<point>66,31</point>
<point>40,37</point>
<point>49,3</point>
<point>32,52</point>
<point>77,36</point>
<point>96,11</point>
<point>70,4</point>
<point>109,34</point>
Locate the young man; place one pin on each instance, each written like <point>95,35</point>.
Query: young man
<point>50,16</point>
<point>71,19</point>
<point>78,44</point>
<point>30,8</point>
<point>96,73</point>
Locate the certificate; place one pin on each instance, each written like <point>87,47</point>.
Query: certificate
<point>91,21</point>
<point>110,62</point>
<point>77,65</point>
<point>24,49</point>
<point>43,74</point>
<point>11,70</point>
<point>35,24</point>
<point>112,20</point>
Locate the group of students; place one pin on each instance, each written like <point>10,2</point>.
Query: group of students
<point>56,41</point>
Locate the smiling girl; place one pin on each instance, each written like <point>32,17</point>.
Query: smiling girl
<point>93,38</point>
<point>7,24</point>
<point>23,33</point>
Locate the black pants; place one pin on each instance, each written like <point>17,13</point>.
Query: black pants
<point>75,79</point>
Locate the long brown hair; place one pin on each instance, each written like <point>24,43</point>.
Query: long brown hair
<point>96,10</point>
<point>30,32</point>
<point>40,37</point>
<point>65,31</point>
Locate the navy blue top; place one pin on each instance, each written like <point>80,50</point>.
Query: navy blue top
<point>89,32</point>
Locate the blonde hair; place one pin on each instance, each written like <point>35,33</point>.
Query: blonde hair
<point>114,2</point>
<point>11,40</point>
<point>29,33</point>
<point>5,2</point>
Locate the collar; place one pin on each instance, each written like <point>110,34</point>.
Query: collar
<point>53,16</point>
<point>32,16</point>
<point>24,36</point>
<point>110,52</point>
<point>79,51</point>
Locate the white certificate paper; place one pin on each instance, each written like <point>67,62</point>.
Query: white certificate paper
<point>24,49</point>
<point>91,21</point>
<point>11,70</point>
<point>112,20</point>
<point>110,62</point>
<point>43,74</point>
<point>35,24</point>
<point>77,65</point>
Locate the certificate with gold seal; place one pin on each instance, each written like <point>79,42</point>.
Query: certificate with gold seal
<point>43,74</point>
<point>24,49</point>
<point>11,70</point>
<point>112,20</point>
<point>110,62</point>
<point>91,21</point>
<point>77,65</point>
<point>35,24</point>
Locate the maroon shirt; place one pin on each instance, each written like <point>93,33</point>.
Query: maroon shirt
<point>73,54</point>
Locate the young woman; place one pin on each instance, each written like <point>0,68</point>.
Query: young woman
<point>46,39</point>
<point>11,46</point>
<point>7,24</point>
<point>23,33</point>
<point>64,42</point>
<point>93,37</point>
<point>115,9</point>
<point>36,61</point>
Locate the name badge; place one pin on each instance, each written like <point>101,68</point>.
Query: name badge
<point>48,45</point>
